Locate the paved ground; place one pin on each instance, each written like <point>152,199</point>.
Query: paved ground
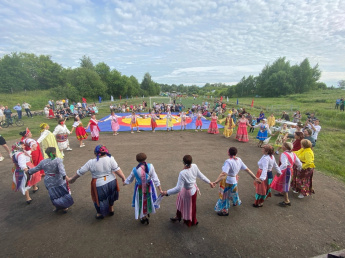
<point>310,227</point>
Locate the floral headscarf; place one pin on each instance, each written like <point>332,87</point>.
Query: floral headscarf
<point>17,147</point>
<point>101,149</point>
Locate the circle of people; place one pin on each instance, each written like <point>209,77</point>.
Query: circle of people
<point>295,170</point>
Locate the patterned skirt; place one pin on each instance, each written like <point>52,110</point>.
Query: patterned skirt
<point>282,183</point>
<point>302,181</point>
<point>242,134</point>
<point>227,192</point>
<point>213,128</point>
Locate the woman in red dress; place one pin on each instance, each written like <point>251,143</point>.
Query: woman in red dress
<point>242,133</point>
<point>213,128</point>
<point>93,124</point>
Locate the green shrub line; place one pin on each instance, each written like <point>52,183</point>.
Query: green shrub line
<point>329,158</point>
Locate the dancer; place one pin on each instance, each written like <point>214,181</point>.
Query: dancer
<point>183,117</point>
<point>104,185</point>
<point>47,139</point>
<point>115,126</point>
<point>228,189</point>
<point>263,131</point>
<point>283,134</point>
<point>21,160</point>
<point>55,180</point>
<point>213,128</point>
<point>228,126</point>
<point>187,192</point>
<point>169,122</point>
<point>264,173</point>
<point>153,121</point>
<point>242,133</point>
<point>134,122</point>
<point>93,124</point>
<point>198,121</point>
<point>144,190</point>
<point>61,133</point>
<point>79,131</point>
<point>281,182</point>
<point>302,180</point>
<point>32,147</point>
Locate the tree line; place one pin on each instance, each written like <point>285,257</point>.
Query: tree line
<point>24,71</point>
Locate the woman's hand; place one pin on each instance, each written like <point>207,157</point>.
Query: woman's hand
<point>257,180</point>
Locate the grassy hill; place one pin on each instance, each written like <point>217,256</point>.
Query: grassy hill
<point>329,156</point>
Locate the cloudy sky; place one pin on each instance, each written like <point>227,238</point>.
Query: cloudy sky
<point>180,41</point>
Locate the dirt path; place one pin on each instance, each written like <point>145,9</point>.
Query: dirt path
<point>311,226</point>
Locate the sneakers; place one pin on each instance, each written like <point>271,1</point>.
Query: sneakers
<point>68,148</point>
<point>277,152</point>
<point>2,158</point>
<point>81,146</point>
<point>301,196</point>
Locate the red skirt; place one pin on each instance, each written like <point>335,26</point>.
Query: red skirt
<point>37,157</point>
<point>81,133</point>
<point>261,189</point>
<point>198,122</point>
<point>153,124</point>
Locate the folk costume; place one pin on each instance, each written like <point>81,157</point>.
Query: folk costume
<point>145,193</point>
<point>263,131</point>
<point>187,189</point>
<point>48,139</point>
<point>302,181</point>
<point>21,161</point>
<point>228,190</point>
<point>94,129</point>
<point>104,185</point>
<point>61,133</point>
<point>55,182</point>
<point>169,122</point>
<point>183,120</point>
<point>198,121</point>
<point>213,128</point>
<point>153,121</point>
<point>271,121</point>
<point>115,126</point>
<point>30,144</point>
<point>80,130</point>
<point>287,160</point>
<point>264,173</point>
<point>282,134</point>
<point>242,133</point>
<point>228,126</point>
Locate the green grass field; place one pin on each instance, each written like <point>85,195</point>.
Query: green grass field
<point>328,152</point>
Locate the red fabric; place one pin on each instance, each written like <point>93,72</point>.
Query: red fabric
<point>51,114</point>
<point>252,103</point>
<point>81,133</point>
<point>153,124</point>
<point>194,220</point>
<point>260,188</point>
<point>84,100</point>
<point>37,157</point>
<point>296,145</point>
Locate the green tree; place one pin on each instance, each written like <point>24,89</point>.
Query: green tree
<point>341,84</point>
<point>87,82</point>
<point>85,62</point>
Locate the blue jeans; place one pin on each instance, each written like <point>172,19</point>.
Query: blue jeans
<point>19,112</point>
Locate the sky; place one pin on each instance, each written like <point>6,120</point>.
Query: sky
<point>190,42</point>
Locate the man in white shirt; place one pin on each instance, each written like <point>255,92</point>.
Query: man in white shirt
<point>27,107</point>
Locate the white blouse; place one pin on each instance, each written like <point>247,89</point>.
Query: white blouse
<point>232,167</point>
<point>103,167</point>
<point>266,164</point>
<point>187,179</point>
<point>61,129</point>
<point>285,162</point>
